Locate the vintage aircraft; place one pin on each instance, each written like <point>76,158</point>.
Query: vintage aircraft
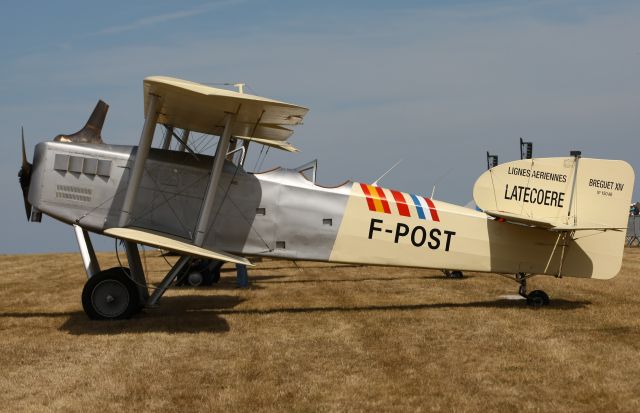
<point>561,216</point>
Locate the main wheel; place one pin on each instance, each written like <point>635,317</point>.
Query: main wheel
<point>212,276</point>
<point>537,299</point>
<point>195,279</point>
<point>110,295</point>
<point>201,273</point>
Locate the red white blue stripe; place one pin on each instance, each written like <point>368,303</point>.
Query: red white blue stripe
<point>378,201</point>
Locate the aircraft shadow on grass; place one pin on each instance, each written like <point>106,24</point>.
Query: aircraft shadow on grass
<point>204,314</point>
<point>177,314</point>
<point>256,280</point>
<point>296,267</point>
<point>557,304</point>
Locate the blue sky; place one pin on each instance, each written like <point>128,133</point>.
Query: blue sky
<point>435,83</point>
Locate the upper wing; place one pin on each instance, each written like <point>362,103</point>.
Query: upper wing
<point>202,108</point>
<point>155,239</point>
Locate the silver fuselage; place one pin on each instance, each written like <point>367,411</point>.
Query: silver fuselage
<point>276,213</point>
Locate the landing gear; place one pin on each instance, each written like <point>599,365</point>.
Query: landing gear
<point>536,298</point>
<point>212,273</point>
<point>201,273</point>
<point>110,295</point>
<point>194,279</point>
<point>453,274</point>
<point>120,292</point>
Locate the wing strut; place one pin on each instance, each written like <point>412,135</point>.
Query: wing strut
<point>135,174</point>
<point>206,212</point>
<point>184,140</point>
<point>91,265</point>
<point>168,134</point>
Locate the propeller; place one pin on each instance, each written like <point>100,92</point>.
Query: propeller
<point>24,176</point>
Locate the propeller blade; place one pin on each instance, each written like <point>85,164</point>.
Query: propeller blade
<point>27,204</point>
<point>24,151</point>
<point>24,176</point>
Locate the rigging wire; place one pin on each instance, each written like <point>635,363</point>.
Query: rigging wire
<point>264,157</point>
<point>144,259</point>
<point>269,249</point>
<point>175,195</point>
<point>226,192</point>
<point>168,203</point>
<point>224,197</point>
<point>208,146</point>
<point>198,142</point>
<point>127,271</point>
<point>255,167</point>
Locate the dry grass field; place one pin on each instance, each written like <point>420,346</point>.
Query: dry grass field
<point>318,337</point>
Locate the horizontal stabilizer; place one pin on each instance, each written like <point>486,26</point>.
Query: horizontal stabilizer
<point>155,239</point>
<point>546,223</point>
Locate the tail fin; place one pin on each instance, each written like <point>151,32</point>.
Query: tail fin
<point>561,193</point>
<point>587,198</point>
<point>91,132</point>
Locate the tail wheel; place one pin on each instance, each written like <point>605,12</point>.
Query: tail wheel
<point>453,274</point>
<point>110,295</point>
<point>537,299</point>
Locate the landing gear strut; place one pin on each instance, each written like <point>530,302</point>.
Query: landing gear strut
<point>536,298</point>
<point>119,292</point>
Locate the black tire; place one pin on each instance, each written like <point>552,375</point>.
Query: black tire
<point>110,295</point>
<point>194,279</point>
<point>212,276</point>
<point>537,299</point>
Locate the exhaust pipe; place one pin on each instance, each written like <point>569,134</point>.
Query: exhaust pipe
<point>91,132</point>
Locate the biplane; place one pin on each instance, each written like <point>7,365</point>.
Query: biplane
<point>563,217</point>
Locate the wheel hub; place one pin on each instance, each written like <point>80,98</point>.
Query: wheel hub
<point>110,298</point>
<point>195,278</point>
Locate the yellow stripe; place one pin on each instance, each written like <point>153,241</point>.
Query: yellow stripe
<point>376,200</point>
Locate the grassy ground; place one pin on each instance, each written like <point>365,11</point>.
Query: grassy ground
<point>317,337</point>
